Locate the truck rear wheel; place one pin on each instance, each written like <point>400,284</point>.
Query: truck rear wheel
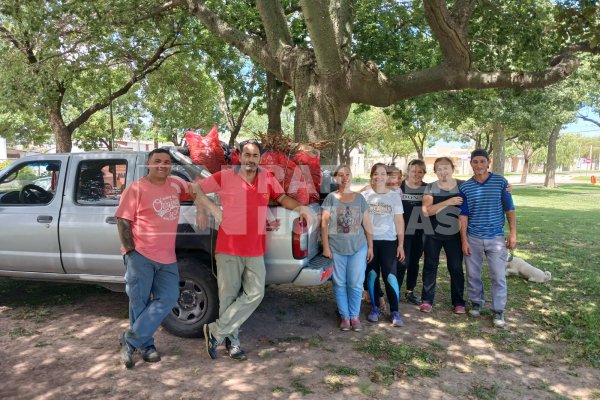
<point>198,302</point>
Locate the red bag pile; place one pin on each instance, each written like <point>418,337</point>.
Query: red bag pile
<point>312,174</point>
<point>287,174</point>
<point>206,150</point>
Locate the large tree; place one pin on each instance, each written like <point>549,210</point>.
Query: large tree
<point>327,77</point>
<point>51,49</point>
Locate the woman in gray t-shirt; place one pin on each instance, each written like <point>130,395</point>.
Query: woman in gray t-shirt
<point>346,236</point>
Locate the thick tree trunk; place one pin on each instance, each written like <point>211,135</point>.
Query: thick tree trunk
<point>549,181</point>
<point>498,149</point>
<point>320,113</point>
<point>276,92</point>
<point>62,134</point>
<point>525,169</point>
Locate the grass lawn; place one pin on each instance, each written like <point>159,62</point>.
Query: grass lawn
<point>558,231</point>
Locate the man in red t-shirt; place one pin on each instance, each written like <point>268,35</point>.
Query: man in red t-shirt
<point>245,192</point>
<point>147,220</point>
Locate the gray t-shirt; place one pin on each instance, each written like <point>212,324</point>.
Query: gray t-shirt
<point>346,233</point>
<point>382,209</point>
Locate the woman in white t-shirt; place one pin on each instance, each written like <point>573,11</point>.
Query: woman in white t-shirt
<point>385,211</point>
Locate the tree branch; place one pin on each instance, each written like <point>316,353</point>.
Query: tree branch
<point>341,15</point>
<point>369,86</point>
<point>25,47</point>
<point>275,25</point>
<point>451,33</point>
<point>588,119</point>
<point>252,46</point>
<point>323,36</point>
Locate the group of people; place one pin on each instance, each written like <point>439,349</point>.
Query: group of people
<point>384,230</point>
<point>381,232</point>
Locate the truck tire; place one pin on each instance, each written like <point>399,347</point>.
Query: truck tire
<point>198,302</point>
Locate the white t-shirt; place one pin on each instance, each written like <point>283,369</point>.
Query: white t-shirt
<point>382,209</point>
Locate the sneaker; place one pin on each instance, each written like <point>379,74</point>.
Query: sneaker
<point>356,324</point>
<point>235,351</point>
<point>374,314</point>
<point>150,354</point>
<point>396,319</point>
<point>412,298</point>
<point>382,305</point>
<point>211,343</point>
<point>345,324</point>
<point>425,307</point>
<point>499,319</point>
<point>475,310</point>
<point>459,310</point>
<point>127,351</point>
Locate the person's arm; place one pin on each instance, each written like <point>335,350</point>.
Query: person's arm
<point>292,204</point>
<point>399,224</point>
<point>369,234</point>
<point>511,242</point>
<point>125,234</point>
<point>202,203</point>
<point>325,216</point>
<point>463,220</point>
<point>430,209</point>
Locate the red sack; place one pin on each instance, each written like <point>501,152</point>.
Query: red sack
<point>206,150</point>
<point>295,185</point>
<point>275,162</point>
<point>313,176</point>
<point>234,157</point>
<point>287,174</point>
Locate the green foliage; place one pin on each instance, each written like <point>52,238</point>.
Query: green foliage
<point>66,56</point>
<point>578,21</point>
<point>180,96</point>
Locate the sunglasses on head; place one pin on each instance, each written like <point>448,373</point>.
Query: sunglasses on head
<point>251,141</point>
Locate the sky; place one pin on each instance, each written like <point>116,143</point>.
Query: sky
<point>583,127</point>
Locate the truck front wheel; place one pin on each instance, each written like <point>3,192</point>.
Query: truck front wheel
<point>198,302</point>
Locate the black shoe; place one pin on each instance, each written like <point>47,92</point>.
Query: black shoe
<point>211,343</point>
<point>235,351</point>
<point>412,298</point>
<point>127,351</point>
<point>150,354</point>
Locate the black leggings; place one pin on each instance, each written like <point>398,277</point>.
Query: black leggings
<point>454,256</point>
<point>413,250</point>
<point>384,262</point>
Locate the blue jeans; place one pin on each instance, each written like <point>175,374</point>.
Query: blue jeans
<point>496,254</point>
<point>153,290</point>
<point>348,278</point>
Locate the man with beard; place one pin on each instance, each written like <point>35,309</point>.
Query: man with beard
<point>245,192</point>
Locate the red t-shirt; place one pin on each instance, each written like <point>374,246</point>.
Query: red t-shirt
<point>242,231</point>
<point>154,214</point>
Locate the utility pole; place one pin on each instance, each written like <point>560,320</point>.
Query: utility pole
<point>112,126</point>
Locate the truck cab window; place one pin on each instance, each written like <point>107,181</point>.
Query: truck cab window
<point>32,183</point>
<point>100,182</point>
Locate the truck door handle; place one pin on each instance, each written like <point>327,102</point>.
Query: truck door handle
<point>111,220</point>
<point>44,219</point>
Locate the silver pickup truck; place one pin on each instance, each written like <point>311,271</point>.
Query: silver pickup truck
<point>57,224</point>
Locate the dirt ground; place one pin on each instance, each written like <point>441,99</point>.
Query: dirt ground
<point>295,351</point>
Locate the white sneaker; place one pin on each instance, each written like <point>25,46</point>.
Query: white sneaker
<point>499,319</point>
